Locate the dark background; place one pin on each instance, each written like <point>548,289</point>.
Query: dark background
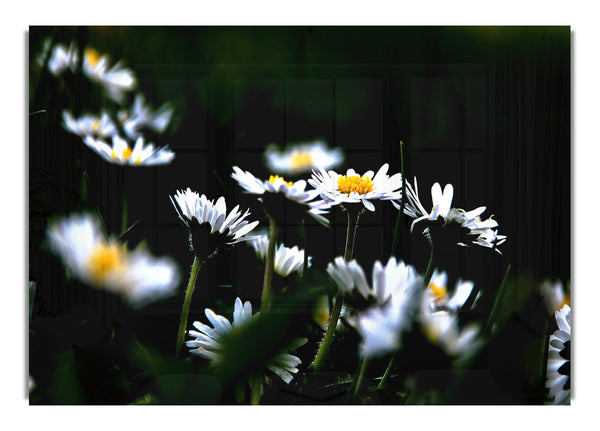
<point>484,108</point>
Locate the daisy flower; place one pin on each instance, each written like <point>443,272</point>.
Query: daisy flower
<point>322,313</point>
<point>61,58</point>
<point>394,290</point>
<point>387,281</point>
<point>287,260</point>
<point>195,211</point>
<point>336,189</point>
<point>121,154</point>
<point>304,157</point>
<point>104,263</point>
<point>294,191</point>
<point>554,295</point>
<point>89,125</point>
<point>439,316</point>
<point>207,342</point>
<point>481,230</point>
<point>558,376</point>
<point>116,81</point>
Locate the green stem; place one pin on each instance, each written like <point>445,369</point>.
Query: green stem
<point>400,215</point>
<point>255,389</point>
<point>361,374</point>
<point>388,372</point>
<point>488,325</point>
<point>269,265</point>
<point>339,299</point>
<point>186,303</point>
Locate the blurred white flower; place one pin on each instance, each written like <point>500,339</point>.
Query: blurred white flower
<point>195,210</point>
<point>89,125</point>
<point>554,295</point>
<point>61,58</point>
<point>437,293</point>
<point>207,342</point>
<point>304,157</point>
<point>116,81</point>
<point>287,260</point>
<point>336,189</point>
<point>394,290</point>
<point>558,375</point>
<point>104,263</point>
<point>121,154</point>
<point>140,115</point>
<point>294,191</point>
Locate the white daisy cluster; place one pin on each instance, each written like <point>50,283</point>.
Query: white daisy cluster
<point>558,374</point>
<point>287,260</point>
<point>294,191</point>
<point>207,342</point>
<point>336,189</point>
<point>438,316</point>
<point>303,157</point>
<point>125,129</point>
<point>482,230</point>
<point>104,263</point>
<point>395,289</point>
<point>195,210</point>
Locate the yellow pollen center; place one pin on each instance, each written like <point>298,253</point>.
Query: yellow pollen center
<point>272,179</point>
<point>566,301</point>
<point>438,292</point>
<point>95,125</point>
<point>301,159</point>
<point>92,56</point>
<point>355,184</point>
<point>104,260</point>
<point>125,155</point>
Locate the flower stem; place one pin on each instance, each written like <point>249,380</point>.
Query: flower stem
<point>358,382</point>
<point>401,212</point>
<point>269,265</point>
<point>255,391</point>
<point>339,299</point>
<point>186,303</point>
<point>388,372</point>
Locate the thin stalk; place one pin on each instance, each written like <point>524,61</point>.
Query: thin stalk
<point>186,303</point>
<point>488,325</point>
<point>388,371</point>
<point>339,299</point>
<point>255,389</point>
<point>269,265</point>
<point>400,215</point>
<point>361,374</point>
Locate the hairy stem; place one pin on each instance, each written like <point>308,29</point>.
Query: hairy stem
<point>186,303</point>
<point>269,265</point>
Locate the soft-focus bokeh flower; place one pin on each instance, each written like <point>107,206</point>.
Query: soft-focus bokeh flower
<point>89,125</point>
<point>554,295</point>
<point>207,342</point>
<point>122,154</point>
<point>558,375</point>
<point>104,263</point>
<point>287,260</point>
<point>336,189</point>
<point>116,80</point>
<point>61,58</point>
<point>141,116</point>
<point>304,157</point>
<point>294,191</point>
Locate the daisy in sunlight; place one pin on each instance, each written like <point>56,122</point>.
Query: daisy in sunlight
<point>120,153</point>
<point>104,263</point>
<point>336,189</point>
<point>287,260</point>
<point>116,80</point>
<point>89,125</point>
<point>304,157</point>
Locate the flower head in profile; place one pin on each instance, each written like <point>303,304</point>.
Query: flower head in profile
<point>116,80</point>
<point>61,58</point>
<point>276,185</point>
<point>104,263</point>
<point>558,375</point>
<point>480,231</point>
<point>394,291</point>
<point>337,189</point>
<point>287,260</point>
<point>301,158</point>
<point>89,125</point>
<point>197,211</point>
<point>439,316</point>
<point>141,116</point>
<point>121,153</point>
<point>207,342</point>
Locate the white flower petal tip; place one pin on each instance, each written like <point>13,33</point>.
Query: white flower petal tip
<point>558,375</point>
<point>106,264</point>
<point>287,260</point>
<point>337,189</point>
<point>301,158</point>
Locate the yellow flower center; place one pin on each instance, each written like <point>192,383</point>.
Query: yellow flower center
<point>355,184</point>
<point>92,56</point>
<point>301,159</point>
<point>125,155</point>
<point>566,301</point>
<point>104,260</point>
<point>95,125</point>
<point>438,292</point>
<point>322,316</point>
<point>273,178</point>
